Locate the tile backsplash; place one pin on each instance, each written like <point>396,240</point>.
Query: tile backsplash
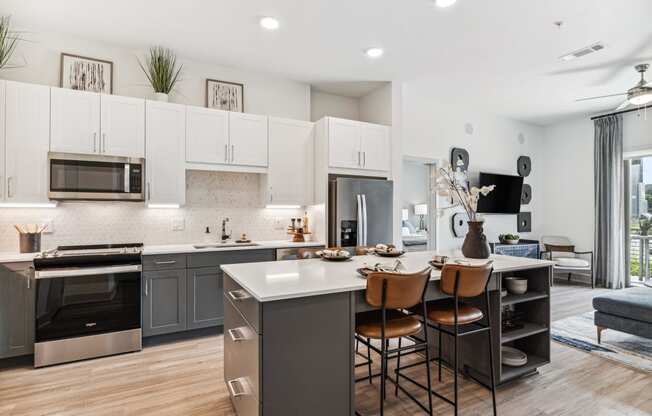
<point>210,197</point>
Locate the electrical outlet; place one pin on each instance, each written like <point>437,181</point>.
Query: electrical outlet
<point>278,225</point>
<point>49,226</point>
<point>178,224</point>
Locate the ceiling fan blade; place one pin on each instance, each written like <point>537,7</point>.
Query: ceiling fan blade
<point>601,96</point>
<point>623,105</point>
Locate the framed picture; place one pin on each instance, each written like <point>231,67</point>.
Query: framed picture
<point>86,74</point>
<point>228,96</point>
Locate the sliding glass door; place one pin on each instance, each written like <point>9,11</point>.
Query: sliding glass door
<point>639,201</point>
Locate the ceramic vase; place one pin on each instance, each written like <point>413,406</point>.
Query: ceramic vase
<point>475,244</point>
<point>161,96</point>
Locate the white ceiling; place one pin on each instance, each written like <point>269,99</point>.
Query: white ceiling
<point>498,53</point>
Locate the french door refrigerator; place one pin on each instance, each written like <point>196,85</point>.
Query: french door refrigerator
<point>359,211</point>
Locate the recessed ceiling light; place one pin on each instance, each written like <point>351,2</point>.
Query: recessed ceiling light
<point>445,3</point>
<point>269,23</point>
<point>374,52</point>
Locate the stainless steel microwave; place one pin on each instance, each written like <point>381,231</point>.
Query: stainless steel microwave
<point>95,178</point>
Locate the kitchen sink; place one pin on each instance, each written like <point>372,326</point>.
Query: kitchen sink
<point>223,245</point>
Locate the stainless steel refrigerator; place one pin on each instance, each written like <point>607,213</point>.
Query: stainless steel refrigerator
<point>359,211</point>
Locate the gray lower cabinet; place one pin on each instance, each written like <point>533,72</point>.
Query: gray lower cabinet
<point>16,310</point>
<point>186,291</point>
<point>205,300</point>
<point>164,302</point>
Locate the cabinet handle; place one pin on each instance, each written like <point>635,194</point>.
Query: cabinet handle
<point>226,153</point>
<point>236,336</point>
<point>238,295</point>
<point>10,187</point>
<point>149,191</point>
<point>165,262</point>
<point>94,142</point>
<point>103,142</point>
<point>359,163</point>
<point>232,153</point>
<point>364,159</point>
<point>232,389</point>
<point>146,290</point>
<point>30,273</point>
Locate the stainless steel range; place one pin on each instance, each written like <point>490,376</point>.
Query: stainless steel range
<point>88,302</point>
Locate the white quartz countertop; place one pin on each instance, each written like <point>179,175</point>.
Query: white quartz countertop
<point>270,281</point>
<point>12,257</point>
<point>9,257</point>
<point>189,248</point>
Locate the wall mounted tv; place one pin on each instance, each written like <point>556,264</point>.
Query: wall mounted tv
<point>505,198</point>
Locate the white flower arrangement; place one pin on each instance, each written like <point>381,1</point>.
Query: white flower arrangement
<point>453,184</point>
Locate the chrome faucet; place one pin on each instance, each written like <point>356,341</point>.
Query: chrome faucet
<point>225,236</point>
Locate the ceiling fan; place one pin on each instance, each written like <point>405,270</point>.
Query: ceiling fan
<point>640,94</point>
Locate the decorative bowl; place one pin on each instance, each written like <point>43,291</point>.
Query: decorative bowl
<point>516,285</point>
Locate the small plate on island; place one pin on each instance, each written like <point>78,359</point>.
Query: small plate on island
<point>334,254</point>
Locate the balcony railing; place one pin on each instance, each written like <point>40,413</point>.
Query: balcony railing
<point>639,257</point>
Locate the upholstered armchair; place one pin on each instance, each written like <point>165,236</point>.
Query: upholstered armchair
<point>561,251</point>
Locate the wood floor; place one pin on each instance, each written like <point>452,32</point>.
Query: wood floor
<point>185,378</point>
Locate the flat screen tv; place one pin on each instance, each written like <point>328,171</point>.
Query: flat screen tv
<point>505,198</point>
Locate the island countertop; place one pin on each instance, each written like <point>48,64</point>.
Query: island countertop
<point>271,281</point>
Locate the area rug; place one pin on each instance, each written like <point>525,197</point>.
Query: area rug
<point>579,332</point>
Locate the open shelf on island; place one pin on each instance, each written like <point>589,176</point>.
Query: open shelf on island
<point>528,329</point>
<point>526,297</point>
<point>533,362</point>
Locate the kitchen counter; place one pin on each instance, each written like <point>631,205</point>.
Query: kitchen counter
<point>13,257</point>
<point>313,304</point>
<point>189,248</point>
<point>272,281</point>
<point>9,257</point>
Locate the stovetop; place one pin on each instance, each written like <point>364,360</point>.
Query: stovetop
<point>89,255</point>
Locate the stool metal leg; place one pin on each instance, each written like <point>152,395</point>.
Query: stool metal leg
<point>369,360</point>
<point>398,365</point>
<point>425,336</point>
<point>491,354</point>
<point>383,375</point>
<point>439,351</point>
<point>457,353</point>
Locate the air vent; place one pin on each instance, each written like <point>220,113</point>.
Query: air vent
<point>582,52</point>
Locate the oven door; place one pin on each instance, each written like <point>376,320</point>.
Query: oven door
<point>78,302</point>
<point>93,177</point>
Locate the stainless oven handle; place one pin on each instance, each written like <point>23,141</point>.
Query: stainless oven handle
<point>86,271</point>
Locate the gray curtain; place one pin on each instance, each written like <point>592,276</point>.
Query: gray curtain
<point>610,253</point>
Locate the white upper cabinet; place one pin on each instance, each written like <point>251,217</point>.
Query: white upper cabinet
<point>122,126</point>
<point>374,145</point>
<point>358,145</point>
<point>291,162</point>
<point>27,133</point>
<point>344,143</point>
<point>248,139</point>
<point>165,153</point>
<point>75,121</point>
<point>207,135</point>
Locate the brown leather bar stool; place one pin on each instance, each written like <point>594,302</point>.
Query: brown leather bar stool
<point>449,316</point>
<point>390,294</point>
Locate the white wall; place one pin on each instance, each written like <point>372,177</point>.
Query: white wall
<point>323,104</point>
<point>432,125</point>
<point>263,93</point>
<point>568,182</point>
<point>376,107</point>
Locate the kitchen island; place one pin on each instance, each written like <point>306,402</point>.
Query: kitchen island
<point>289,330</point>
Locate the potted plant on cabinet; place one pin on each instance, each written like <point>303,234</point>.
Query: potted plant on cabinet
<point>453,184</point>
<point>8,41</point>
<point>162,71</point>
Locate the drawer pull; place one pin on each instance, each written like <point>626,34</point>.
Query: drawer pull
<point>160,263</point>
<point>236,392</point>
<point>239,295</point>
<point>237,335</point>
